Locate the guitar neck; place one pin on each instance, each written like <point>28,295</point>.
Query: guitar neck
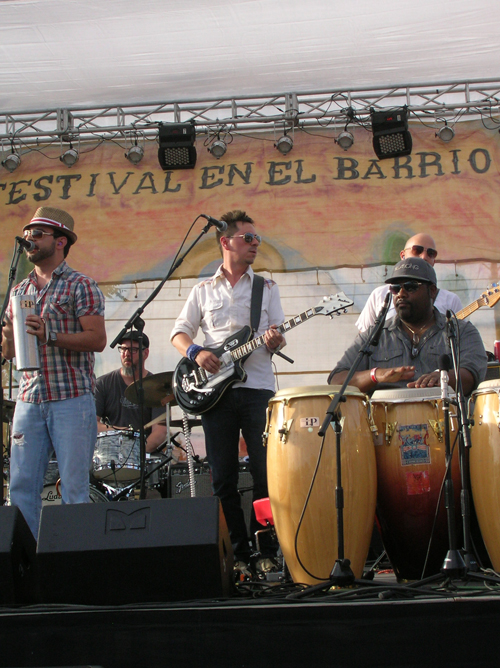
<point>253,344</point>
<point>474,306</point>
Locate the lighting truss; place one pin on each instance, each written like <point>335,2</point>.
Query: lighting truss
<point>426,102</point>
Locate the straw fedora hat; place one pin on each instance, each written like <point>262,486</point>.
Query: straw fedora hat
<point>45,215</point>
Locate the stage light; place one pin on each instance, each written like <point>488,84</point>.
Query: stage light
<point>218,148</point>
<point>345,140</point>
<point>135,154</point>
<point>391,137</point>
<point>284,144</point>
<point>11,162</point>
<point>69,157</point>
<point>445,133</point>
<point>177,149</point>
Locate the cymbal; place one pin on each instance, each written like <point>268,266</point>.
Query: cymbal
<point>157,388</point>
<point>161,419</point>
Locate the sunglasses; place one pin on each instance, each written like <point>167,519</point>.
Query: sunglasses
<point>248,237</point>
<point>408,286</point>
<point>125,349</point>
<point>36,234</point>
<point>418,250</point>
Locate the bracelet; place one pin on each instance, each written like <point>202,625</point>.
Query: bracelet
<point>373,375</point>
<point>192,351</point>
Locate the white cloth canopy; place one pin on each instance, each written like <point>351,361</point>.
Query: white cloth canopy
<point>81,53</point>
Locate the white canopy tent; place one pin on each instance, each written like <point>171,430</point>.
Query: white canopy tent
<point>75,53</point>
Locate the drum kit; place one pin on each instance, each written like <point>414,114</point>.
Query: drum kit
<point>116,466</point>
<point>394,469</point>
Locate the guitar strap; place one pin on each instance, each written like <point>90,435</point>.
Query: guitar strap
<point>256,303</point>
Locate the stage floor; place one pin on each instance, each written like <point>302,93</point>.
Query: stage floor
<point>374,623</point>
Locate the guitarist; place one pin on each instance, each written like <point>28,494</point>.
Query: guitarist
<point>220,306</point>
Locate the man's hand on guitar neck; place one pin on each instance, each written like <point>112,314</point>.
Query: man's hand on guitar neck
<point>273,338</point>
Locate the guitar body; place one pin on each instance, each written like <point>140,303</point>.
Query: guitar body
<point>195,390</point>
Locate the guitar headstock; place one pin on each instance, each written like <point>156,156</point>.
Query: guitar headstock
<point>491,295</point>
<point>331,304</point>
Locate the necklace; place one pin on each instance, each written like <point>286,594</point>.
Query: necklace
<point>415,335</point>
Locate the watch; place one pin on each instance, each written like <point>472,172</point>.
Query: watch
<point>52,338</point>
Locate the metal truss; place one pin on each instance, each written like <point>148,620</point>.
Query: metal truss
<point>431,104</point>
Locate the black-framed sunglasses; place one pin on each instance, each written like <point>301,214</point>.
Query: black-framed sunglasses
<point>124,349</point>
<point>37,234</point>
<point>418,250</point>
<point>248,237</point>
<point>408,286</point>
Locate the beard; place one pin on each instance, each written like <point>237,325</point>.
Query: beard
<point>129,370</point>
<point>42,254</point>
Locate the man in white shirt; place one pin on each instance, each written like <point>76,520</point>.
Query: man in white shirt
<point>420,245</point>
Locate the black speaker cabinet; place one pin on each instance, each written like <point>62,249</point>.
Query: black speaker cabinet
<point>179,488</point>
<point>134,551</point>
<point>18,578</point>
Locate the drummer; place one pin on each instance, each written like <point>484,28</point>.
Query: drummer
<point>114,410</point>
<point>412,342</point>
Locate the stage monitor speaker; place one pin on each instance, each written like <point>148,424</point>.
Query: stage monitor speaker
<point>138,551</point>
<point>18,578</point>
<point>179,488</point>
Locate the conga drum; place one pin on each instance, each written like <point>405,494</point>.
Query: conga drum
<point>302,483</point>
<point>411,467</point>
<point>485,465</point>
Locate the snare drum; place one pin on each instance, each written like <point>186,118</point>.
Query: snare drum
<point>293,419</point>
<point>117,456</point>
<point>411,467</point>
<point>485,465</point>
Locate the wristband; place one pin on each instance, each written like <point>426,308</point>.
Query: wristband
<point>192,351</point>
<point>373,375</point>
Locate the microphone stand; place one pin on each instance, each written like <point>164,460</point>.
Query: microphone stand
<point>137,322</point>
<point>341,574</point>
<point>12,277</point>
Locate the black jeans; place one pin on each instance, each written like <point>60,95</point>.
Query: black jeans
<point>238,409</point>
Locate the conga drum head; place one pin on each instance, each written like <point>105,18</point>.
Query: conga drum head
<point>302,478</point>
<point>409,438</point>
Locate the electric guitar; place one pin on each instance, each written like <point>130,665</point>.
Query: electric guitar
<point>488,298</point>
<point>197,390</point>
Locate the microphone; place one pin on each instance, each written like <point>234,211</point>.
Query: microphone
<point>221,225</point>
<point>444,367</point>
<point>379,322</point>
<point>450,325</point>
<point>25,243</point>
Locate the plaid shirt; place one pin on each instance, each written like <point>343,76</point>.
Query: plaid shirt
<point>63,374</point>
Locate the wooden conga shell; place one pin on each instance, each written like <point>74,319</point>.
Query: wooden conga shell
<point>293,446</point>
<point>485,465</point>
<point>411,466</point>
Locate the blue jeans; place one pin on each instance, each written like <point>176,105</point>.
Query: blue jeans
<point>70,428</point>
<point>239,409</point>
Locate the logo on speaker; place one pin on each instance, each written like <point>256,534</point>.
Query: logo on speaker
<point>118,520</point>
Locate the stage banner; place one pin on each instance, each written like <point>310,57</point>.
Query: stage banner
<point>316,207</point>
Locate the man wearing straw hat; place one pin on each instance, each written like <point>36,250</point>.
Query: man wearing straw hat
<point>55,407</point>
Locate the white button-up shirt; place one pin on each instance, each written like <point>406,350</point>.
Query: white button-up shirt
<point>221,310</point>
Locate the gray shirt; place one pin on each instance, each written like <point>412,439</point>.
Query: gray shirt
<point>394,350</point>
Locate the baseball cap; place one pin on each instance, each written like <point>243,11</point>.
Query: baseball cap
<point>413,267</point>
<point>133,335</point>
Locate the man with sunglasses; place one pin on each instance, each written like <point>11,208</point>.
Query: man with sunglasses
<point>55,409</point>
<point>420,245</point>
<point>220,306</point>
<point>412,342</point>
<point>113,409</point>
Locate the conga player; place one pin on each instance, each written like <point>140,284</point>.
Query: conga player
<point>412,342</point>
<point>55,408</point>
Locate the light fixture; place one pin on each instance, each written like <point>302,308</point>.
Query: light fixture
<point>11,162</point>
<point>445,133</point>
<point>135,154</point>
<point>177,149</point>
<point>345,140</point>
<point>284,144</point>
<point>69,157</point>
<point>218,148</point>
<point>391,137</point>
